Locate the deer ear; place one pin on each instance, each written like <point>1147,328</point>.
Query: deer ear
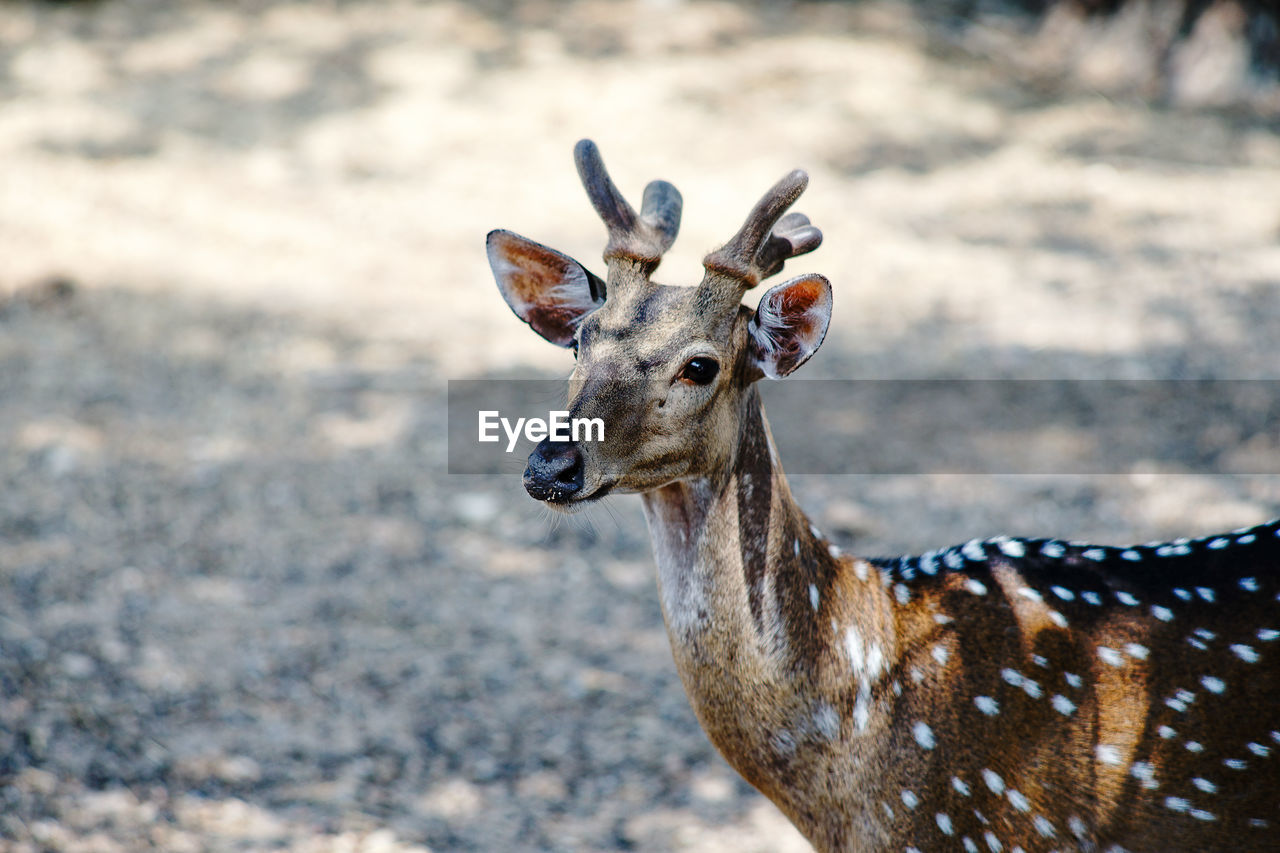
<point>548,290</point>
<point>789,324</point>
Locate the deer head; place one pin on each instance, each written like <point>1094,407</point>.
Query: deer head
<point>668,369</point>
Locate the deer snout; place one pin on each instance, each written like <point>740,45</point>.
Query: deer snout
<point>554,473</point>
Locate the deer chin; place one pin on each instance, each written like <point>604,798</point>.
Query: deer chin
<point>570,504</point>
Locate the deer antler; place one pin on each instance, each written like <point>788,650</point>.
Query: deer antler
<point>639,239</point>
<point>764,243</point>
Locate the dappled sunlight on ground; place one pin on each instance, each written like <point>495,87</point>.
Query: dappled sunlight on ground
<point>242,605</point>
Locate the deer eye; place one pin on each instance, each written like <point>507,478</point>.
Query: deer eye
<point>700,370</point>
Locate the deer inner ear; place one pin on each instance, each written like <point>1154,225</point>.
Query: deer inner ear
<point>790,324</point>
<point>547,289</point>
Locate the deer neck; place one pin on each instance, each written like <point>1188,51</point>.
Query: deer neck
<point>712,542</point>
<point>765,616</point>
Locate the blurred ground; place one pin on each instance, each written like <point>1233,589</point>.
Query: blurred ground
<point>242,607</point>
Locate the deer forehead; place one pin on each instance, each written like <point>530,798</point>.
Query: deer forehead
<point>654,328</point>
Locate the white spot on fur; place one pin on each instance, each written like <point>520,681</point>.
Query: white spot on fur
<point>993,780</point>
<point>1125,598</point>
<point>1145,772</point>
<point>853,645</point>
<point>1217,685</point>
<point>813,596</point>
<point>1062,704</point>
<point>961,787</point>
<point>923,735</point>
<point>1053,550</point>
<point>875,661</point>
<point>1110,655</point>
<point>987,705</point>
<point>827,721</point>
<point>1164,614</point>
<point>1108,754</point>
<point>1204,785</point>
<point>861,706</point>
<point>975,586</point>
<point>1136,650</point>
<point>1245,653</point>
<point>944,823</point>
<point>1012,548</point>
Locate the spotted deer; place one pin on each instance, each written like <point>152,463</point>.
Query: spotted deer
<point>1003,695</point>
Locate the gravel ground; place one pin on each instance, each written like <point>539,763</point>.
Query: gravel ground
<point>242,605</point>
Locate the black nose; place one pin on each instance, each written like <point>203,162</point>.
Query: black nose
<point>555,471</point>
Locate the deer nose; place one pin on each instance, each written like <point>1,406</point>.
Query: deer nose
<point>555,471</point>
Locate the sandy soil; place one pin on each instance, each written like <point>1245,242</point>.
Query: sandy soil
<point>242,605</point>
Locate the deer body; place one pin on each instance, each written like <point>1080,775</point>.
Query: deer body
<point>1002,695</point>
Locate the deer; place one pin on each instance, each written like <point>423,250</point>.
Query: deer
<point>1004,694</point>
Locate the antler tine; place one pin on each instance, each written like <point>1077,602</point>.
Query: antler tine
<point>793,235</point>
<point>642,238</point>
<point>759,249</point>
